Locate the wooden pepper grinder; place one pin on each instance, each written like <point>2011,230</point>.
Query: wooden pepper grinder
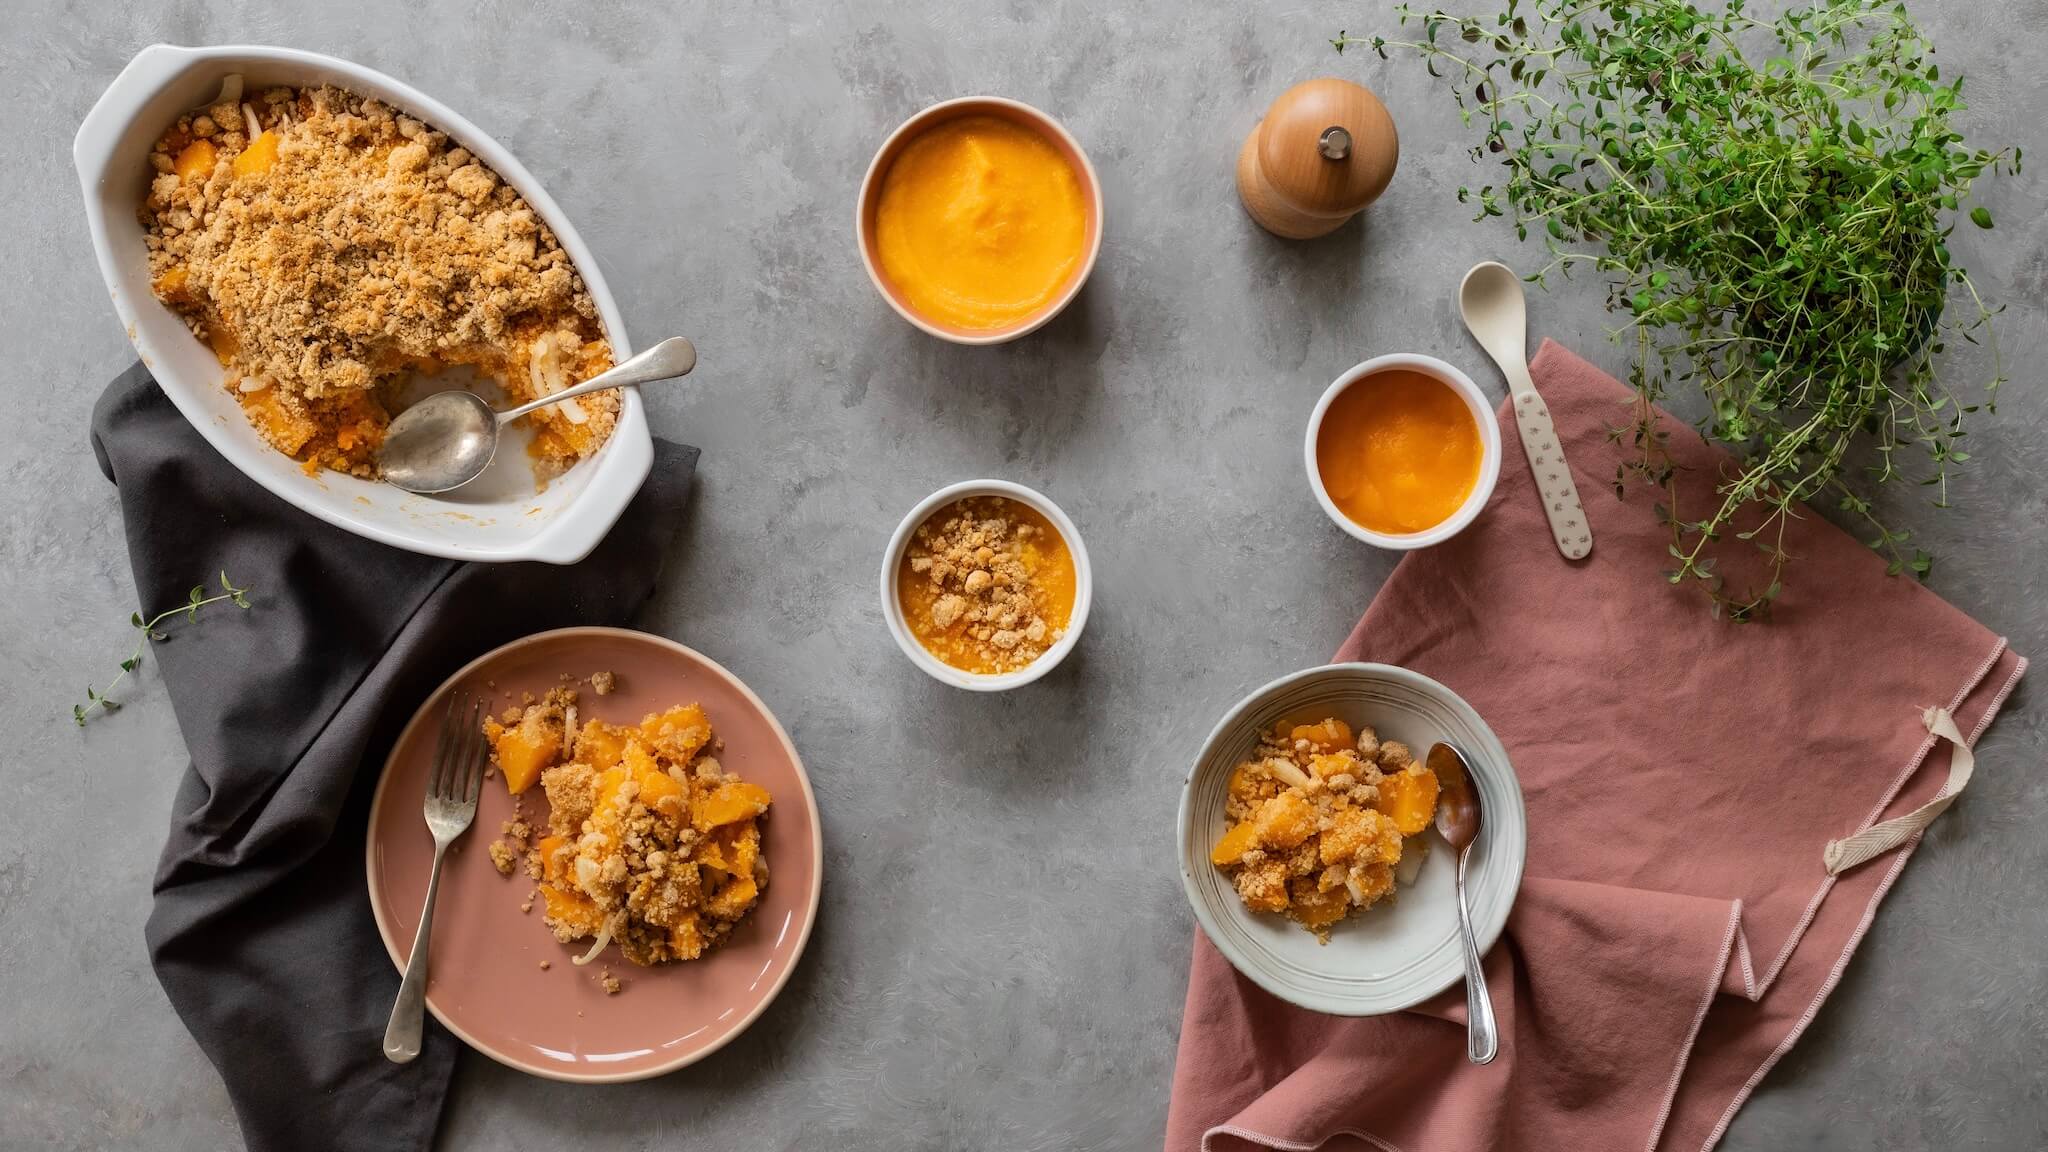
<point>1325,150</point>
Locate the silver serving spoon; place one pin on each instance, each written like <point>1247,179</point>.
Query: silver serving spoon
<point>449,438</point>
<point>1457,820</point>
<point>1490,298</point>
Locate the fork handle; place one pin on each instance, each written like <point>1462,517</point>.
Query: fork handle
<point>408,1013</point>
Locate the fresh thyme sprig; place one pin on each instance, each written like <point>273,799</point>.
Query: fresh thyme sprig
<point>1776,232</point>
<point>194,601</point>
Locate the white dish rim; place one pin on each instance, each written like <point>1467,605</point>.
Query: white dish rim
<point>620,466</point>
<point>1489,439</point>
<point>892,609</point>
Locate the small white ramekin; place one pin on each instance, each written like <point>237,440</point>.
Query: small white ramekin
<point>892,608</point>
<point>1489,442</point>
<point>1015,112</point>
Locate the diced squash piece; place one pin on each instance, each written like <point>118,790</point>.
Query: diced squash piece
<point>224,343</point>
<point>599,744</point>
<point>173,286</point>
<point>1410,798</point>
<point>258,158</point>
<point>1374,882</point>
<point>679,719</point>
<point>733,898</point>
<point>655,784</point>
<point>1317,908</point>
<point>524,751</point>
<point>745,841</point>
<point>734,849</point>
<point>571,909</point>
<point>638,758</point>
<point>680,733</point>
<point>1285,821</point>
<point>195,161</point>
<point>731,801</point>
<point>286,430</point>
<point>1329,735</point>
<point>1235,843</point>
<point>687,938</point>
<point>1325,765</point>
<point>555,855</point>
<point>1350,836</point>
<point>1244,783</point>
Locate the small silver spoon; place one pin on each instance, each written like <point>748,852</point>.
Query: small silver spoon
<point>449,438</point>
<point>1457,819</point>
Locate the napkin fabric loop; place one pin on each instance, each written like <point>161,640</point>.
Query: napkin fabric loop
<point>1878,839</point>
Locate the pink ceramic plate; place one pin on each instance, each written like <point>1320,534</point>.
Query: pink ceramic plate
<point>486,983</point>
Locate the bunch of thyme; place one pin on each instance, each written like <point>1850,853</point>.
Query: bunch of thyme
<point>1770,201</point>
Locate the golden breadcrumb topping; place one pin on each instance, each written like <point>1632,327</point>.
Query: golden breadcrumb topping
<point>326,245</point>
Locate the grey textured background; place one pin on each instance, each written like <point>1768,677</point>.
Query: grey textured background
<point>1003,946</point>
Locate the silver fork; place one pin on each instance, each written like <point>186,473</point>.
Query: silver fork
<point>452,788</point>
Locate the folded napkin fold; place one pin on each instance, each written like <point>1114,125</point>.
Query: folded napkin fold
<point>261,932</point>
<point>1682,914</point>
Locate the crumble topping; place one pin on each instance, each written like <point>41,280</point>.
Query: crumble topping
<point>1322,824</point>
<point>979,587</point>
<point>325,244</point>
<point>649,842</point>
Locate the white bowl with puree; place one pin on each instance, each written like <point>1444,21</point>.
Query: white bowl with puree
<point>1403,451</point>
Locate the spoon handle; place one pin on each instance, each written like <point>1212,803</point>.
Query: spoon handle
<point>1482,1038</point>
<point>1553,476</point>
<point>667,360</point>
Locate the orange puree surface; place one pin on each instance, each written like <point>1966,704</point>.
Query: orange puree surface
<point>980,223</point>
<point>1398,452</point>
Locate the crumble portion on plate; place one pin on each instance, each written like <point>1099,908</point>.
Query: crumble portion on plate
<point>1318,822</point>
<point>650,843</point>
<point>325,245</point>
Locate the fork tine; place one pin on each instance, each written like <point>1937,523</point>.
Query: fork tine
<point>444,746</point>
<point>473,787</point>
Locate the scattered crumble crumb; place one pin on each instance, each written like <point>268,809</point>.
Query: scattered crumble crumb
<point>502,857</point>
<point>610,982</point>
<point>603,683</point>
<point>545,965</point>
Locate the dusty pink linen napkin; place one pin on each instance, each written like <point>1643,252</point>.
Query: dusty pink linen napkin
<point>1676,928</point>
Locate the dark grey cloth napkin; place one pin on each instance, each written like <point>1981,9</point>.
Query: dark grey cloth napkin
<point>261,932</point>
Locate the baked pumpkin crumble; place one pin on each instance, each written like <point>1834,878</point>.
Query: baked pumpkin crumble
<point>1321,825</point>
<point>649,844</point>
<point>325,246</point>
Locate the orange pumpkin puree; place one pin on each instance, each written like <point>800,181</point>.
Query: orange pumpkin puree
<point>1398,452</point>
<point>980,223</point>
<point>986,584</point>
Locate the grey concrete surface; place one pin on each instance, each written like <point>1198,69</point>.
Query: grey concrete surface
<point>1003,945</point>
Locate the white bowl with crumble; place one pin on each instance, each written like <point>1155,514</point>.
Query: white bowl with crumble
<point>1307,841</point>
<point>417,254</point>
<point>986,585</point>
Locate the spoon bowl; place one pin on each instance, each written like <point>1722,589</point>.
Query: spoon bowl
<point>1457,805</point>
<point>449,438</point>
<point>440,443</point>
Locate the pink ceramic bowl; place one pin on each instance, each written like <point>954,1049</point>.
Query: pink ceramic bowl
<point>486,982</point>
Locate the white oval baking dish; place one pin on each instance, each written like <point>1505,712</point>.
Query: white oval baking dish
<point>505,521</point>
